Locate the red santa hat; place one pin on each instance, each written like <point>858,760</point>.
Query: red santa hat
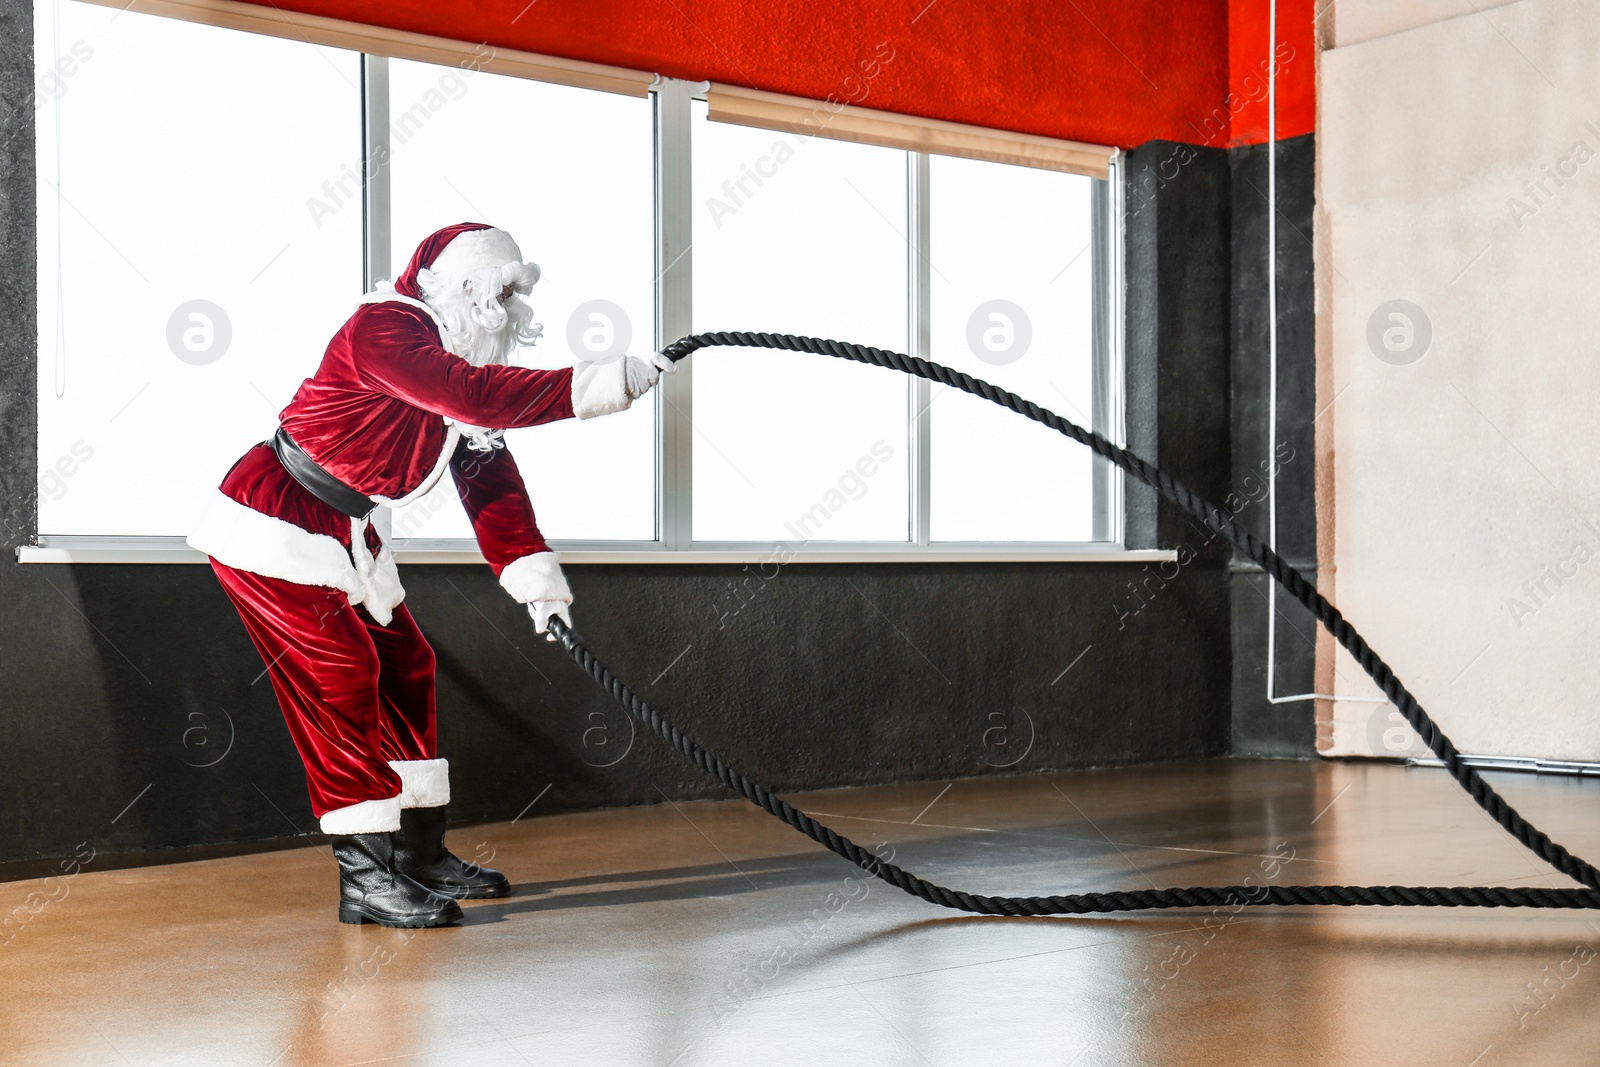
<point>461,249</point>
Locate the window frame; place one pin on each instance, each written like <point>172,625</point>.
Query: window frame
<point>673,238</point>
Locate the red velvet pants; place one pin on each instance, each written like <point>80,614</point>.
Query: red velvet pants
<point>354,694</point>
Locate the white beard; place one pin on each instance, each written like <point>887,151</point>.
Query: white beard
<point>482,345</point>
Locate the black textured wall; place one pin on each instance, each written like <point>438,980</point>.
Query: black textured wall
<point>1261,728</point>
<point>133,715</point>
<point>1197,331</point>
<point>1178,303</point>
<point>122,677</point>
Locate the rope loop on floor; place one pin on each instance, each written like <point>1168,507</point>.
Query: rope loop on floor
<point>1217,519</point>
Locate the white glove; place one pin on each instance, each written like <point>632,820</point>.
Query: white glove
<point>662,363</point>
<point>542,611</point>
<point>640,375</point>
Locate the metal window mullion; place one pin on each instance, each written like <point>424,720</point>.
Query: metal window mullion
<point>674,310</point>
<point>375,200</point>
<point>375,177</point>
<point>1105,375</point>
<point>919,341</point>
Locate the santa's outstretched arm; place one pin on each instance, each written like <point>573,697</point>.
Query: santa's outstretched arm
<point>394,357</point>
<point>502,517</point>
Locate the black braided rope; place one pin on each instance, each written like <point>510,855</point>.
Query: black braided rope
<point>1217,519</point>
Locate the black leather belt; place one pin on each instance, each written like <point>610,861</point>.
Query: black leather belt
<point>318,482</point>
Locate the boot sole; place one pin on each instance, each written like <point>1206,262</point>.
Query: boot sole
<point>480,893</point>
<point>356,914</point>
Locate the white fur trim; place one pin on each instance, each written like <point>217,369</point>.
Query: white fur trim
<point>367,817</point>
<point>599,388</point>
<point>378,575</point>
<point>476,250</point>
<point>536,577</point>
<point>384,590</point>
<point>424,783</point>
<point>249,540</point>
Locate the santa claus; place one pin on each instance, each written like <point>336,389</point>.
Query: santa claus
<point>415,384</point>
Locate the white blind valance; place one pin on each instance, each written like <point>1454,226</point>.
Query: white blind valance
<point>847,122</point>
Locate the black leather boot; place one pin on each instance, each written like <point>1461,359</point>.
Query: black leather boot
<point>372,887</point>
<point>420,853</point>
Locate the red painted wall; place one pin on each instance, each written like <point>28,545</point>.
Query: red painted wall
<point>1117,72</point>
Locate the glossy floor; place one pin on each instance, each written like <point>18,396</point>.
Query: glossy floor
<point>708,933</point>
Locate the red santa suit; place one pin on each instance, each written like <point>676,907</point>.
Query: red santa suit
<point>388,412</point>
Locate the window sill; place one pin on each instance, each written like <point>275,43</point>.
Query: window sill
<point>161,550</point>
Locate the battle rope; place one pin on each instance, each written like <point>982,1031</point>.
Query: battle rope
<point>1137,899</point>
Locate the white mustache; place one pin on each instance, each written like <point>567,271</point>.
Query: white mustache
<point>492,318</point>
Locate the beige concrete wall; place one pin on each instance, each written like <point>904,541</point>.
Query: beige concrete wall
<point>1355,21</point>
<point>1460,171</point>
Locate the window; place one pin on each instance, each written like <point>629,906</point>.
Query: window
<point>806,236</point>
<point>212,202</point>
<point>184,288</point>
<point>830,238</point>
<point>1009,258</point>
<point>568,173</point>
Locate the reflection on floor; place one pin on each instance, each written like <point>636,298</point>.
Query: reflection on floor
<point>709,933</point>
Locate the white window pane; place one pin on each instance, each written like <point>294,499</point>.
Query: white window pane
<point>568,173</point>
<point>189,157</point>
<point>803,236</point>
<point>1011,303</point>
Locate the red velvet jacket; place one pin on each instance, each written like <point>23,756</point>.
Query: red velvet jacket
<point>374,416</point>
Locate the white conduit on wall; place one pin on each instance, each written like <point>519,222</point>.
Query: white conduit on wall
<point>1272,372</point>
